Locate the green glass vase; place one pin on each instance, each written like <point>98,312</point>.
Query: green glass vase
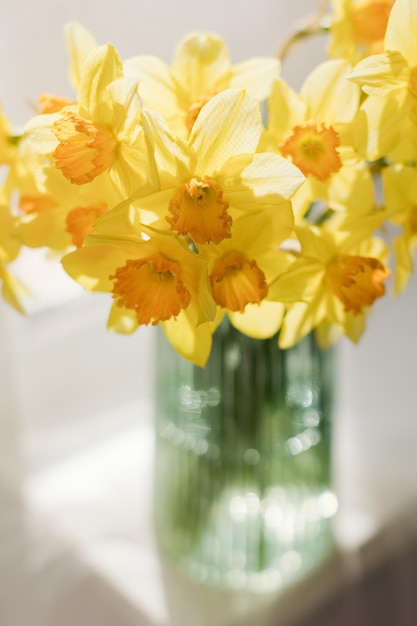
<point>243,494</point>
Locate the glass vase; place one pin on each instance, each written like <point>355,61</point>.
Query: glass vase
<point>243,493</point>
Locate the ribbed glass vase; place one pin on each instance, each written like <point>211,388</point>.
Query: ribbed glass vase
<point>243,494</point>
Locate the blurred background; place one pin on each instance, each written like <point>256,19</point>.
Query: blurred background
<point>66,384</point>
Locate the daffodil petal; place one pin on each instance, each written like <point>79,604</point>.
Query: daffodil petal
<point>256,75</point>
<point>38,133</point>
<point>354,326</point>
<point>300,282</point>
<point>79,44</point>
<point>228,125</point>
<point>10,288</point>
<point>351,189</point>
<point>286,109</point>
<point>342,97</point>
<point>401,30</point>
<point>158,89</point>
<point>404,263</point>
<point>92,266</point>
<point>172,156</point>
<point>267,175</point>
<point>314,243</point>
<point>259,321</point>
<point>45,229</point>
<point>381,73</point>
<point>299,320</point>
<point>202,62</point>
<point>190,341</point>
<point>326,334</point>
<point>122,320</point>
<point>102,66</point>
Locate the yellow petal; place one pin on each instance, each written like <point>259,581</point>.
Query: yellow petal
<point>38,132</point>
<point>299,320</point>
<point>202,63</point>
<point>45,229</point>
<point>381,73</point>
<point>286,109</point>
<point>228,125</point>
<point>300,282</point>
<point>315,243</point>
<point>102,66</point>
<point>272,226</point>
<point>122,320</point>
<point>10,288</point>
<point>351,190</point>
<point>404,263</point>
<point>256,75</point>
<point>92,266</point>
<point>157,87</point>
<point>354,326</point>
<point>125,108</point>
<point>330,96</point>
<point>401,33</point>
<point>191,342</point>
<point>259,321</point>
<point>326,334</point>
<point>172,156</point>
<point>261,181</point>
<point>79,43</point>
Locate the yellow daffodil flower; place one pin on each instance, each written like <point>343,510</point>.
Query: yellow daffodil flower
<point>217,194</point>
<point>206,183</point>
<point>358,28</point>
<point>163,187</point>
<point>80,43</point>
<point>335,279</point>
<point>201,68</point>
<point>400,193</point>
<point>7,148</point>
<point>313,130</point>
<point>387,124</point>
<point>58,215</point>
<point>154,278</point>
<point>242,267</point>
<point>53,212</point>
<point>102,133</point>
<point>9,250</point>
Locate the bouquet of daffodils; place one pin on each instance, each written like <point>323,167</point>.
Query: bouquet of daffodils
<point>203,189</point>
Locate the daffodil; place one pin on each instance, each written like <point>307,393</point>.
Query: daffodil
<point>216,192</point>
<point>80,43</point>
<point>387,124</point>
<point>53,212</point>
<point>358,28</point>
<point>313,130</point>
<point>9,250</point>
<point>154,278</point>
<point>242,267</point>
<point>7,147</point>
<point>334,281</point>
<point>209,181</point>
<point>103,133</point>
<point>200,69</point>
<point>400,193</point>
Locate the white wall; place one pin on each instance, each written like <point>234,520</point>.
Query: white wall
<point>34,56</point>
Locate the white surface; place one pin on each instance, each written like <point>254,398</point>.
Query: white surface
<point>80,550</point>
